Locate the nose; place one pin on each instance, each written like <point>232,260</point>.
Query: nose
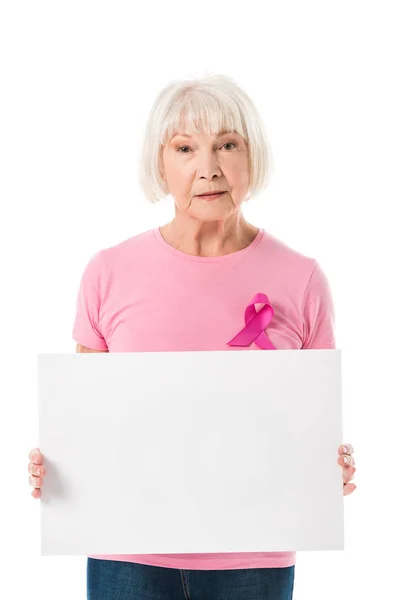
<point>208,167</point>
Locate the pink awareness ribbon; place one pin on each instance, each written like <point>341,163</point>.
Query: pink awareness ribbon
<point>256,322</point>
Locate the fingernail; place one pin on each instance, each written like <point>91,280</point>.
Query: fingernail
<point>345,459</point>
<point>345,449</point>
<point>39,472</point>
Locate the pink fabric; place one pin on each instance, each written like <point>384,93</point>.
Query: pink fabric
<point>144,295</point>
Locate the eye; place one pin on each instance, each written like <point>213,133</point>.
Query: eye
<point>226,144</point>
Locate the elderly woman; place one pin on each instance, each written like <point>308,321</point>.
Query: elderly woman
<point>185,286</point>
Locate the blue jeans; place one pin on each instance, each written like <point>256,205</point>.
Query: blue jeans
<point>118,580</point>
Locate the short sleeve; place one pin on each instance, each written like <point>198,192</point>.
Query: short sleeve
<point>318,312</point>
<point>86,328</point>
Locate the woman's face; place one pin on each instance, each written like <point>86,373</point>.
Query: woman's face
<point>197,163</point>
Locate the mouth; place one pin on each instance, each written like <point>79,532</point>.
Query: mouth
<point>211,195</point>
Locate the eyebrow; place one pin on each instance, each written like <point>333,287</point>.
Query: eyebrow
<point>223,132</point>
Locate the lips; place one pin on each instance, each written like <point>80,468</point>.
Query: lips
<point>212,193</point>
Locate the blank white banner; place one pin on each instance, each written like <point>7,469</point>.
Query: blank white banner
<point>186,452</point>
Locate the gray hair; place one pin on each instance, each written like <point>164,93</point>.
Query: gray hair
<point>208,104</point>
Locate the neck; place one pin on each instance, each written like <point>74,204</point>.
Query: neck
<point>209,238</point>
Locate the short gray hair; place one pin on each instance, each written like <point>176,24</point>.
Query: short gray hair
<point>208,104</point>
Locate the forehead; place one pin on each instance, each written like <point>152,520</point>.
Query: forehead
<point>188,133</point>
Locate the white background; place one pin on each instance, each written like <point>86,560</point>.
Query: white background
<point>77,81</point>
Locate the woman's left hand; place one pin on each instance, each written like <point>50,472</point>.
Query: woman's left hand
<point>345,452</point>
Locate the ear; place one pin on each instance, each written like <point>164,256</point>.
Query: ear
<point>163,175</point>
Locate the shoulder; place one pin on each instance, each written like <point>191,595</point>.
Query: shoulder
<point>107,260</point>
<point>285,259</point>
<point>127,248</point>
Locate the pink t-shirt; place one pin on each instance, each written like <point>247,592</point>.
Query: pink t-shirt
<point>143,295</point>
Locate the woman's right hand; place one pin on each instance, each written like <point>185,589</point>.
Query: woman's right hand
<point>36,470</point>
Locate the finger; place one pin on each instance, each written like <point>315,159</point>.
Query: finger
<point>36,456</point>
<point>346,461</point>
<point>35,481</point>
<point>346,449</point>
<point>36,469</point>
<point>348,474</point>
<point>36,493</point>
<point>349,488</point>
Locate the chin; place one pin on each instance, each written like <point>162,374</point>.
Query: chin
<point>212,214</point>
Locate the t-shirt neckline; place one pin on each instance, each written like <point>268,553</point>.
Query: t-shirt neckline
<point>204,259</point>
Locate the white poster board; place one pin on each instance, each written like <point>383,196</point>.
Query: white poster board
<point>186,452</point>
